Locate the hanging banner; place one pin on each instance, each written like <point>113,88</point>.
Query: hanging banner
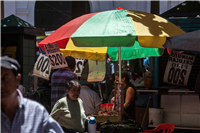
<point>79,66</point>
<point>56,58</point>
<point>97,70</point>
<point>42,68</point>
<point>178,68</point>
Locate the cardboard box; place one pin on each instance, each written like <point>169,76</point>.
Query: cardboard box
<point>139,114</point>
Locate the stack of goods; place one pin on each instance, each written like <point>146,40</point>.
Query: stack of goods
<point>106,110</point>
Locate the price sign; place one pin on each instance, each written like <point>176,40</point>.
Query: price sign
<point>79,66</point>
<point>56,58</point>
<point>178,68</point>
<point>42,68</point>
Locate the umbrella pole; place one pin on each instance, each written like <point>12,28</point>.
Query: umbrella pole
<point>119,64</point>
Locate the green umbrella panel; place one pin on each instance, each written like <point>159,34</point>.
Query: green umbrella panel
<point>134,52</point>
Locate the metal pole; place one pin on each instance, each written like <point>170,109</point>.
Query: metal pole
<point>1,9</point>
<point>119,64</point>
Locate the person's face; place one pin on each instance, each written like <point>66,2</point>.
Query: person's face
<point>117,78</point>
<point>73,93</point>
<point>9,83</point>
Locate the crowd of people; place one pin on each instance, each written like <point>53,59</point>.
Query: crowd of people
<point>72,101</point>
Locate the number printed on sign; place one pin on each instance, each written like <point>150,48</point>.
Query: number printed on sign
<point>178,68</point>
<point>42,67</point>
<point>57,59</point>
<point>55,56</point>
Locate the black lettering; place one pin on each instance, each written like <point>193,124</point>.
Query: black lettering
<point>55,60</point>
<point>173,64</point>
<point>79,63</point>
<point>63,59</point>
<point>40,63</point>
<point>174,60</point>
<point>190,62</point>
<point>180,60</point>
<point>176,75</point>
<point>52,62</point>
<point>170,75</point>
<point>59,59</point>
<point>44,65</point>
<point>182,76</point>
<point>184,62</point>
<point>191,58</point>
<point>46,46</point>
<point>183,56</point>
<point>170,59</point>
<point>48,70</point>
<point>172,54</point>
<point>185,66</point>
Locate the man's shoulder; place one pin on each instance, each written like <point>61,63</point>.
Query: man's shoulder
<point>63,99</point>
<point>88,89</point>
<point>71,75</point>
<point>32,104</point>
<point>64,73</point>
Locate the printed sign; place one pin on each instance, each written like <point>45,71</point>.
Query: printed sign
<point>178,68</point>
<point>79,66</point>
<point>56,58</point>
<point>42,68</point>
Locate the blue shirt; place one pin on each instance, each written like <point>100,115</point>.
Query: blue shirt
<point>30,117</point>
<point>59,81</point>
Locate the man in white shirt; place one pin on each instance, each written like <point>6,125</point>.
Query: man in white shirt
<point>91,100</point>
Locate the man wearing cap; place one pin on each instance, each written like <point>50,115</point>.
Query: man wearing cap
<point>60,78</point>
<point>18,114</point>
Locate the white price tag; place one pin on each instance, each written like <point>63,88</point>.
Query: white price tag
<point>42,67</point>
<point>56,58</point>
<point>178,68</point>
<point>79,66</point>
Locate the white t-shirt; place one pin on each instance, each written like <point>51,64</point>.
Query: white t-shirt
<point>90,99</point>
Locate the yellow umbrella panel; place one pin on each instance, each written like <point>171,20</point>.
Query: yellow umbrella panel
<point>92,53</point>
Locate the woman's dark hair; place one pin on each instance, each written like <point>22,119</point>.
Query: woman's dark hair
<point>125,75</point>
<point>73,83</point>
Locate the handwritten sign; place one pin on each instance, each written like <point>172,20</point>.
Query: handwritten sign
<point>79,66</point>
<point>42,68</point>
<point>178,68</point>
<point>56,58</point>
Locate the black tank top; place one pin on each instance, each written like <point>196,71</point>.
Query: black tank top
<point>131,109</point>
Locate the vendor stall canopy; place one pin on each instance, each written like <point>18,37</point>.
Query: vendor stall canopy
<point>14,21</point>
<point>114,28</point>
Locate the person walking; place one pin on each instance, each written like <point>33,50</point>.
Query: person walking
<point>69,112</point>
<point>60,78</point>
<point>19,114</point>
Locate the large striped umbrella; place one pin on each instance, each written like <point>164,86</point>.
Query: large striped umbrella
<point>114,28</point>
